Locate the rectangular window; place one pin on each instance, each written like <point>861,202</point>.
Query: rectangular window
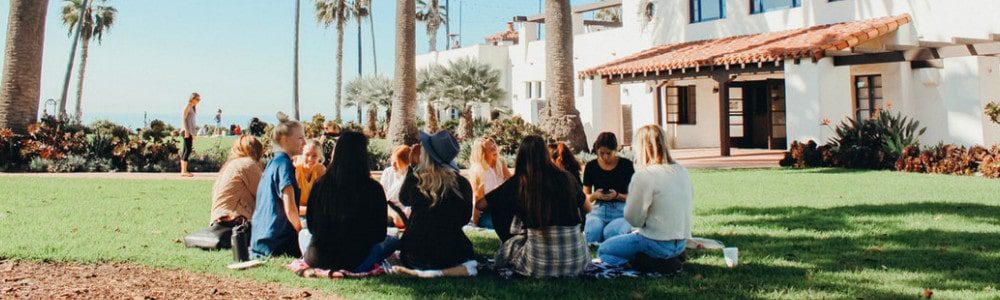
<point>867,96</point>
<point>707,10</point>
<point>539,92</point>
<point>626,124</point>
<point>527,89</point>
<point>681,105</point>
<point>759,6</point>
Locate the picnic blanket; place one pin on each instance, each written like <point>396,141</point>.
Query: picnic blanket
<point>594,270</point>
<point>300,267</point>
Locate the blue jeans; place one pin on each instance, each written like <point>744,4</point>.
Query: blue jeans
<point>606,221</point>
<point>485,220</point>
<point>622,249</point>
<point>378,253</point>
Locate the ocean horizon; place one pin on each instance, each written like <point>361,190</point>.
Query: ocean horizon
<point>139,120</point>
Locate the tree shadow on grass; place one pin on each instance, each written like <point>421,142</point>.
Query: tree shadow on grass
<point>882,243</point>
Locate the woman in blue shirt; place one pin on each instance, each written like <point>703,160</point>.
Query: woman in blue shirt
<point>275,225</point>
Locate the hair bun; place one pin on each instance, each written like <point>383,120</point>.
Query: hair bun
<point>282,117</point>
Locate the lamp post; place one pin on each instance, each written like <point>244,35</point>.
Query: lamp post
<point>45,112</point>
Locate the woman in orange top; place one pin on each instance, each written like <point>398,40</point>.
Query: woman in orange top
<point>308,169</point>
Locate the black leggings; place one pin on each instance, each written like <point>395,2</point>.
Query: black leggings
<point>186,151</point>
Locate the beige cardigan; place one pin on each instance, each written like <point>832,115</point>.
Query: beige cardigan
<point>659,202</point>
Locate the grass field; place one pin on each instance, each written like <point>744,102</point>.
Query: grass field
<point>820,233</point>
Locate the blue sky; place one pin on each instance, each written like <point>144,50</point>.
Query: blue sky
<point>236,53</point>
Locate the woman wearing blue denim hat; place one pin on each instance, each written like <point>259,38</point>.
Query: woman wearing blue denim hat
<point>440,200</point>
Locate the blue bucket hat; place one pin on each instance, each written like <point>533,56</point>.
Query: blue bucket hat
<point>442,147</point>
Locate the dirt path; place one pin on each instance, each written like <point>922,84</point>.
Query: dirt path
<point>30,280</point>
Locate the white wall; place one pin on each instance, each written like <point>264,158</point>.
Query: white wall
<point>814,92</point>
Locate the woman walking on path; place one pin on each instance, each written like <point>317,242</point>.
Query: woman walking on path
<point>346,213</point>
<point>434,244</point>
<point>486,172</point>
<point>660,204</point>
<point>188,131</point>
<point>548,205</point>
<point>276,218</point>
<point>234,194</point>
<point>605,181</point>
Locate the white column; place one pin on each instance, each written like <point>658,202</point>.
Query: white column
<point>814,92</point>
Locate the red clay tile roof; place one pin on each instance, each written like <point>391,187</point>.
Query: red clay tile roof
<point>810,42</point>
<point>506,35</point>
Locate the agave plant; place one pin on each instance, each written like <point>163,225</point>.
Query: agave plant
<point>898,132</point>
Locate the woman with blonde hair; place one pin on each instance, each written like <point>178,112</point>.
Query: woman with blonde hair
<point>308,169</point>
<point>434,244</point>
<point>235,190</point>
<point>188,130</point>
<point>659,205</point>
<point>486,172</point>
<point>276,223</point>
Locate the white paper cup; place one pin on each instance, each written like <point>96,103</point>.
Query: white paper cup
<point>732,255</point>
<point>393,231</point>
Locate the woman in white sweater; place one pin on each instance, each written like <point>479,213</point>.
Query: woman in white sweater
<point>659,204</point>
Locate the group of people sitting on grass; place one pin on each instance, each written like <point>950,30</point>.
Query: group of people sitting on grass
<point>337,217</point>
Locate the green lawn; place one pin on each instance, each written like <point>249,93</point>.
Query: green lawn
<point>802,234</point>
<point>203,144</point>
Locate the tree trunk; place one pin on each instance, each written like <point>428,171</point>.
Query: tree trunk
<point>84,54</point>
<point>465,124</point>
<point>388,119</point>
<point>371,22</point>
<point>22,66</point>
<point>372,125</point>
<point>432,119</point>
<point>403,127</point>
<point>359,113</point>
<point>340,67</point>
<point>432,28</point>
<point>295,76</point>
<point>560,117</point>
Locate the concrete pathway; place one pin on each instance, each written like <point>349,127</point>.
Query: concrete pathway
<point>707,158</point>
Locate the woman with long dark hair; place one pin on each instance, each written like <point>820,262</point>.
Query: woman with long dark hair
<point>548,206</point>
<point>563,157</point>
<point>346,212</point>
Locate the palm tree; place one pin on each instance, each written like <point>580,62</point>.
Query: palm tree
<point>295,77</point>
<point>96,20</point>
<point>22,64</point>
<point>430,93</point>
<point>374,91</point>
<point>560,117</point>
<point>611,14</point>
<point>361,9</point>
<point>403,126</point>
<point>434,14</point>
<point>335,12</point>
<point>466,83</point>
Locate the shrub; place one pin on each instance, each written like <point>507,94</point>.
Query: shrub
<point>378,155</point>
<point>141,155</point>
<point>808,155</point>
<point>107,127</point>
<point>314,128</point>
<point>156,131</point>
<point>858,145</point>
<point>70,163</point>
<point>897,132</point>
<point>51,139</point>
<point>992,110</point>
<point>508,133</point>
<point>990,165</point>
<point>10,150</point>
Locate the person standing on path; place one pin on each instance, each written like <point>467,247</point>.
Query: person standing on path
<point>190,128</point>
<point>218,122</point>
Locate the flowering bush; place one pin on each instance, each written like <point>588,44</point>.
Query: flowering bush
<point>10,150</point>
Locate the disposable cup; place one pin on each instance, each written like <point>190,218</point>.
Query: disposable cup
<point>732,255</point>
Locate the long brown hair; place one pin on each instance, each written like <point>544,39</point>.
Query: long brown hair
<point>191,103</point>
<point>246,146</point>
<point>540,181</point>
<point>563,157</point>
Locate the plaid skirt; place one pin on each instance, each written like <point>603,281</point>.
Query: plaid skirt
<point>553,251</point>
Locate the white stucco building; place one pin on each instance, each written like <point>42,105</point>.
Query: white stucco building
<point>782,69</point>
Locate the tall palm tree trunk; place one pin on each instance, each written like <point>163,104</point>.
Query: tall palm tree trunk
<point>560,117</point>
<point>403,126</point>
<point>465,124</point>
<point>371,23</point>
<point>295,77</point>
<point>22,64</point>
<point>432,28</point>
<point>372,125</point>
<point>84,54</point>
<point>340,67</point>
<point>432,119</point>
